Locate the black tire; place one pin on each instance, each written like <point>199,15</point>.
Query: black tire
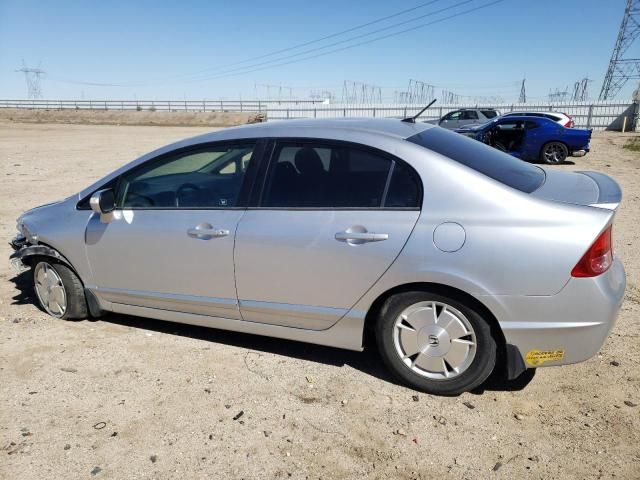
<point>76,303</point>
<point>474,375</point>
<point>557,157</point>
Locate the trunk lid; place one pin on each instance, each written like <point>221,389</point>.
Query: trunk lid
<point>580,188</point>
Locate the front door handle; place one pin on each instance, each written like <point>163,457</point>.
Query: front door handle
<point>205,231</point>
<point>358,235</point>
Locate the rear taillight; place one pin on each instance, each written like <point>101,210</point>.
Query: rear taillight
<point>598,258</point>
<point>570,123</point>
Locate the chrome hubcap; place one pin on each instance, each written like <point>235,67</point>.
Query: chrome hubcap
<point>50,289</point>
<point>555,153</point>
<point>434,340</point>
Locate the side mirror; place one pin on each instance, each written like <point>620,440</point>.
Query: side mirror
<point>103,201</point>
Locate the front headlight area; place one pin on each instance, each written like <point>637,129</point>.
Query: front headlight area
<point>27,233</point>
<point>19,242</point>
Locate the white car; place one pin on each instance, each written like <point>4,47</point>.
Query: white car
<point>558,117</point>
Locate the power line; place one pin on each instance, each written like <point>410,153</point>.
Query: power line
<point>285,59</point>
<point>270,54</point>
<point>317,40</point>
<point>340,42</point>
<point>347,47</point>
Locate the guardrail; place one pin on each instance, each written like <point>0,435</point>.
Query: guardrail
<point>595,115</point>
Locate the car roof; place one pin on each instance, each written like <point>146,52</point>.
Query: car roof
<point>309,127</point>
<point>524,118</point>
<point>513,114</point>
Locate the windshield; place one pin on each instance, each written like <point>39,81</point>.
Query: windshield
<point>482,158</point>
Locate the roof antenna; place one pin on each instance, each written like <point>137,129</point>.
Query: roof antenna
<point>413,119</point>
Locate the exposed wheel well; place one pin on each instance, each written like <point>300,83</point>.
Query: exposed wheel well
<point>377,308</point>
<point>32,253</point>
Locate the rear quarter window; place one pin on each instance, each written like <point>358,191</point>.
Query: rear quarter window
<point>482,158</point>
<point>489,113</point>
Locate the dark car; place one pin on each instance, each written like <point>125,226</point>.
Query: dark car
<point>531,138</point>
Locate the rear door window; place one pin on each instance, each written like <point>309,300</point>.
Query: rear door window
<point>486,160</point>
<point>469,115</point>
<point>327,176</point>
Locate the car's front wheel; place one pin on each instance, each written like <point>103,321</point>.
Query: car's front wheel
<point>434,343</point>
<point>554,153</point>
<point>59,290</point>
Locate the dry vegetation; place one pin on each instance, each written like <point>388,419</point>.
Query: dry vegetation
<point>129,117</point>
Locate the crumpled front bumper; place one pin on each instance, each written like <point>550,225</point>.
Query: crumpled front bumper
<point>19,243</point>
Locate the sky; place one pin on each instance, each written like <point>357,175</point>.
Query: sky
<point>195,49</point>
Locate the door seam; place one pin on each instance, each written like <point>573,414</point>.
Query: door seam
<point>235,275</point>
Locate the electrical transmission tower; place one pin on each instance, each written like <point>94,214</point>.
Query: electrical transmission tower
<point>276,88</point>
<point>32,78</point>
<point>523,93</point>
<point>580,93</point>
<point>623,68</point>
<point>419,92</point>
<point>358,92</point>
<point>449,98</point>
<point>559,95</point>
<point>324,95</point>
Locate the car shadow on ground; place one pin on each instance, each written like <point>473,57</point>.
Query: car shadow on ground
<point>367,361</point>
<point>566,162</point>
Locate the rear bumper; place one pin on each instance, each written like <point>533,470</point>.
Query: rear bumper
<point>568,327</point>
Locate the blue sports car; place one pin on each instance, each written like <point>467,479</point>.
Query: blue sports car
<point>531,138</point>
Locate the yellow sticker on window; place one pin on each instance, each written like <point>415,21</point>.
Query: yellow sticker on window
<point>535,358</point>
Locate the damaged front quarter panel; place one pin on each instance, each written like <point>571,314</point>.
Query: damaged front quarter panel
<point>24,252</point>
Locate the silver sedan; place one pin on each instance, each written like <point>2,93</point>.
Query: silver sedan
<point>459,258</point>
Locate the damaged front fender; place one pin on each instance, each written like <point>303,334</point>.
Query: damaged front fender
<point>24,253</point>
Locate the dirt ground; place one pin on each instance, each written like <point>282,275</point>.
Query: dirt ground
<point>126,397</point>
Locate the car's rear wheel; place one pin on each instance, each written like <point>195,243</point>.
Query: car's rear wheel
<point>554,153</point>
<point>435,343</point>
<point>59,290</point>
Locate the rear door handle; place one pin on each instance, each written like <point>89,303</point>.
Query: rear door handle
<point>205,231</point>
<point>357,236</point>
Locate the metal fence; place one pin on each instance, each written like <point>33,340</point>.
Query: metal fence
<point>157,105</point>
<point>596,115</point>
